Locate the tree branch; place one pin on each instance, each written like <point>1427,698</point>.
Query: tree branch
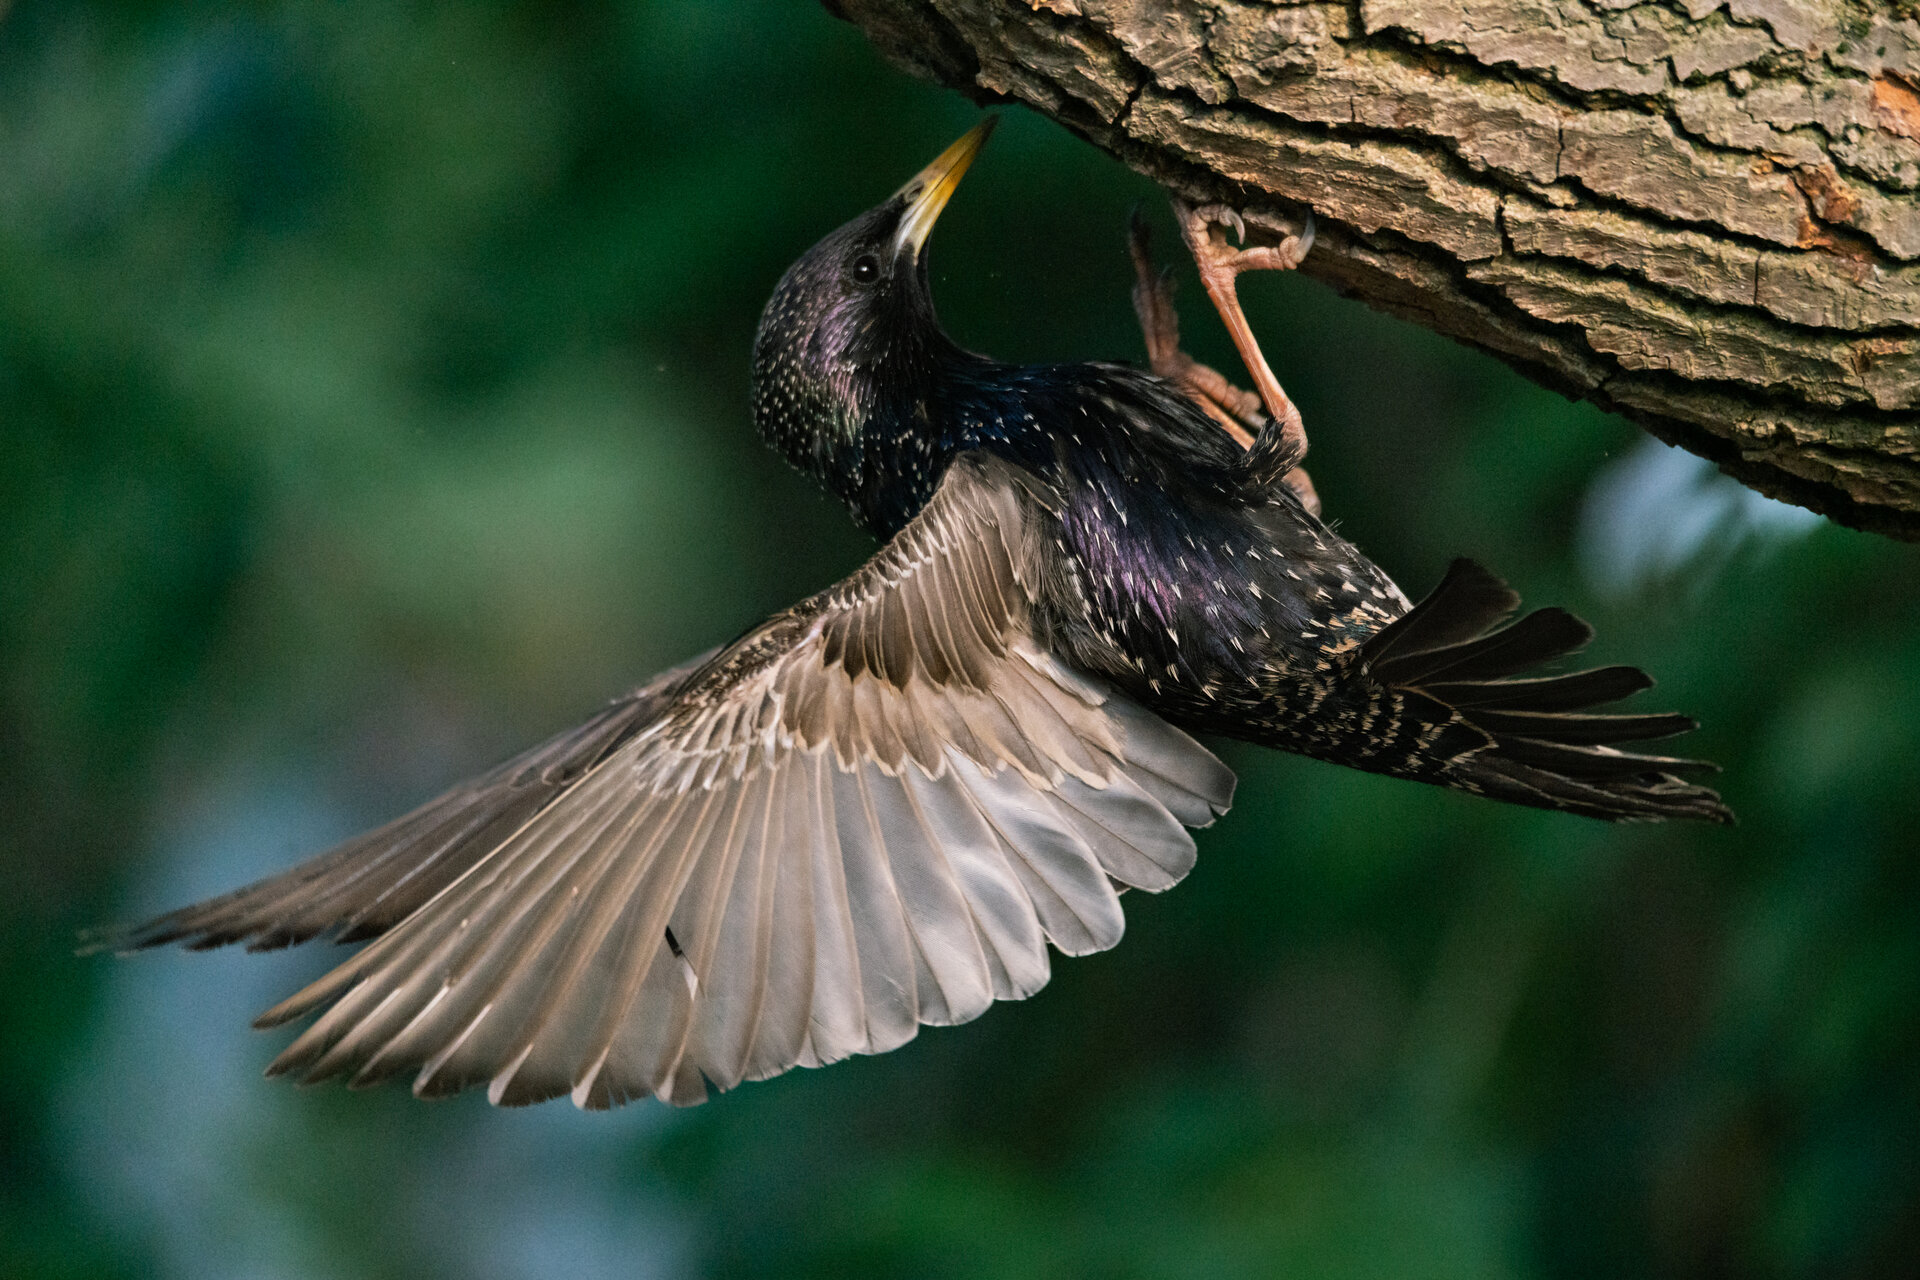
<point>1701,213</point>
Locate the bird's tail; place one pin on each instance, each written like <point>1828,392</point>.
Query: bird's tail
<point>1459,701</point>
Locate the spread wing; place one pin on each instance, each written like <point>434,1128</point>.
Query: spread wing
<point>869,813</point>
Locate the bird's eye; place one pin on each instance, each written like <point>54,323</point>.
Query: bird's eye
<point>866,269</point>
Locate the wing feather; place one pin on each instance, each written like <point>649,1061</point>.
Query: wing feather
<point>837,1018</point>
<point>1001,912</point>
<point>1072,896</point>
<point>790,930</point>
<point>880,931</point>
<point>955,984</point>
<point>589,973</point>
<point>729,951</point>
<point>872,812</point>
<point>636,1043</point>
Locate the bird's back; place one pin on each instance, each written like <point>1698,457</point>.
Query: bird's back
<point>1211,596</point>
<point>1215,598</point>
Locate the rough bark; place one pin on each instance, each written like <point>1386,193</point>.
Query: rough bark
<point>1702,213</point>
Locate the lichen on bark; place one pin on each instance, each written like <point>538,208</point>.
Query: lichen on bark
<point>1702,213</point>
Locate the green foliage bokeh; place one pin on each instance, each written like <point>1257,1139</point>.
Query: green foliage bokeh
<point>373,400</point>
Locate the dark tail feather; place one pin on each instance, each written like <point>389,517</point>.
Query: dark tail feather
<point>1538,741</point>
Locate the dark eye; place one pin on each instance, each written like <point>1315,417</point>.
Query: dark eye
<point>866,269</point>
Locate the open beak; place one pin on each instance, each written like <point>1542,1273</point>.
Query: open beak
<point>928,191</point>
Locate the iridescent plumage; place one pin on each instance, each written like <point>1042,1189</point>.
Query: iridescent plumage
<point>878,809</point>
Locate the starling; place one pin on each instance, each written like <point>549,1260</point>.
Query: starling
<point>877,809</point>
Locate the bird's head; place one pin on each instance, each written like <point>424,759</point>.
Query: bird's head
<point>850,333</point>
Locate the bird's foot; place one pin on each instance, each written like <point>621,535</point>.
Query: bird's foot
<point>1220,262</point>
<point>1205,229</point>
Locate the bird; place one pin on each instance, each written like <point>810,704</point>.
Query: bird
<point>881,808</point>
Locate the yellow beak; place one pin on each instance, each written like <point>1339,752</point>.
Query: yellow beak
<point>928,191</point>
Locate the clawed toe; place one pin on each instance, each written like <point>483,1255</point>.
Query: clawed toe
<point>1296,247</point>
<point>1210,215</point>
<point>1222,258</point>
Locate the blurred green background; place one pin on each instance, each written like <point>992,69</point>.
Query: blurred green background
<point>373,401</point>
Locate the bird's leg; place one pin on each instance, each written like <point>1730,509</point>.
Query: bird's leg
<point>1220,263</point>
<point>1238,412</point>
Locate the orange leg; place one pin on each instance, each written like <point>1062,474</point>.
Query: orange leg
<point>1238,412</point>
<point>1220,264</point>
